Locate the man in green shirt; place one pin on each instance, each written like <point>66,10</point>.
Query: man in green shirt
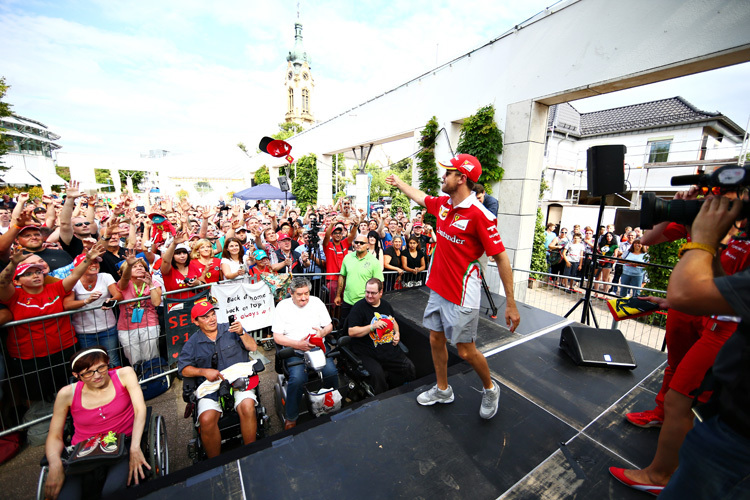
<point>356,268</point>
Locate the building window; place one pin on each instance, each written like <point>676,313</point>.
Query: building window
<point>291,100</point>
<point>305,101</point>
<point>658,151</point>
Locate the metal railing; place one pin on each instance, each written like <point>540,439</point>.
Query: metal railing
<point>40,378</point>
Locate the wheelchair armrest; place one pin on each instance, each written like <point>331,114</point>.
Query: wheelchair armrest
<point>285,353</point>
<point>189,384</point>
<point>258,366</point>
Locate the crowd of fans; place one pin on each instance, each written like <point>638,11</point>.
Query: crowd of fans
<point>570,253</point>
<point>73,251</point>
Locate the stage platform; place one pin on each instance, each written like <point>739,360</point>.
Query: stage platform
<point>558,429</point>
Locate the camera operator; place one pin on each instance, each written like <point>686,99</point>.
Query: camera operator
<point>715,455</point>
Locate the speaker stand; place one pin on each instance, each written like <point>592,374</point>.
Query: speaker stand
<point>588,313</point>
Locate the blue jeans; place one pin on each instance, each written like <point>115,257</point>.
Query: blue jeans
<point>714,463</point>
<point>297,380</point>
<point>626,279</point>
<point>107,338</point>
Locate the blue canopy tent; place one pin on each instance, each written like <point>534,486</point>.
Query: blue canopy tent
<point>264,192</point>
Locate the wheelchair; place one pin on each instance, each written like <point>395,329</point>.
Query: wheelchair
<point>154,449</point>
<point>350,370</point>
<point>229,423</point>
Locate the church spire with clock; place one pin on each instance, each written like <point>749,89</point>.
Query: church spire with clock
<point>299,82</point>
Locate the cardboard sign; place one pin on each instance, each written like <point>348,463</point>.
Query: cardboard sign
<point>251,304</point>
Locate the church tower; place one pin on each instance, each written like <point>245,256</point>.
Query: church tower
<point>299,82</point>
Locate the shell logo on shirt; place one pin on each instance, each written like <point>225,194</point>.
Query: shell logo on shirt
<point>443,212</point>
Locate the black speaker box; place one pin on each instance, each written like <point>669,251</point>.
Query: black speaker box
<point>596,347</point>
<point>605,169</point>
<point>625,217</point>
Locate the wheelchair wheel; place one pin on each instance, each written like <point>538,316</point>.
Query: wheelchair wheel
<point>158,451</point>
<point>42,479</point>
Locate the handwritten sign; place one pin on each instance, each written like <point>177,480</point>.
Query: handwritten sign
<point>178,324</point>
<point>250,304</point>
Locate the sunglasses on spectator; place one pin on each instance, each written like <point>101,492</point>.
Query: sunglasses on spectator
<point>79,224</point>
<point>715,190</point>
<point>360,242</point>
<point>90,373</point>
<point>563,232</point>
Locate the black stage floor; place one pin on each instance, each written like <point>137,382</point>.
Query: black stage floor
<point>558,429</point>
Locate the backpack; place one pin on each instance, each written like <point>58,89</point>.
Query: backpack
<point>10,444</point>
<point>151,368</point>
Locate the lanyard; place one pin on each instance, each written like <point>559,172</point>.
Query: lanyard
<point>139,293</point>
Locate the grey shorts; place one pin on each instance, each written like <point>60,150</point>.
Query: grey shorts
<point>458,323</point>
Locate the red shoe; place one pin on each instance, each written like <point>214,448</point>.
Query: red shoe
<point>619,474</point>
<point>645,419</point>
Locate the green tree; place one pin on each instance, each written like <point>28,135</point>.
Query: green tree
<point>305,181</point>
<point>481,137</point>
<point>338,177</point>
<point>104,176</point>
<point>287,130</point>
<point>426,164</point>
<point>5,141</point>
<point>63,172</point>
<point>262,176</point>
<point>378,187</point>
<point>539,250</point>
<point>138,176</point>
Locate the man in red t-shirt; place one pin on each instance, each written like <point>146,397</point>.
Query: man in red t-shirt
<point>335,249</point>
<point>465,230</point>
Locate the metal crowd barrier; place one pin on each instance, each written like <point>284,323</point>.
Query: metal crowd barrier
<point>39,379</point>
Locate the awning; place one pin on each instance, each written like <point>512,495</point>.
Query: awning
<point>19,176</point>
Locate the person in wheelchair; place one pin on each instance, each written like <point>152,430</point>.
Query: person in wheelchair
<point>213,348</point>
<point>102,400</point>
<point>301,322</point>
<point>375,337</point>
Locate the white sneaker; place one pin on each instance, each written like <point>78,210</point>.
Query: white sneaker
<point>490,400</point>
<point>435,395</point>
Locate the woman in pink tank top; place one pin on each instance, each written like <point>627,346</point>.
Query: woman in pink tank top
<point>101,401</point>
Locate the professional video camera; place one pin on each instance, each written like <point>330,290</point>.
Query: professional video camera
<point>725,179</point>
<point>313,232</point>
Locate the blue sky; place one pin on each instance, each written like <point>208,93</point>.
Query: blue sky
<point>123,77</point>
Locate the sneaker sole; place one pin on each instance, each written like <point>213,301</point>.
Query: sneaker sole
<point>443,401</point>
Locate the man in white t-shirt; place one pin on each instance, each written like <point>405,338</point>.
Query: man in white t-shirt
<point>301,322</point>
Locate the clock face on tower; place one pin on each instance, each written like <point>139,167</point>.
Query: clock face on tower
<point>290,75</point>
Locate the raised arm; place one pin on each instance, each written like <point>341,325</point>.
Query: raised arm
<point>166,257</point>
<point>411,192</point>
<point>6,277</point>
<point>66,228</point>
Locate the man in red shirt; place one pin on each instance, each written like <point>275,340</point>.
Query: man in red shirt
<point>335,249</point>
<point>465,230</point>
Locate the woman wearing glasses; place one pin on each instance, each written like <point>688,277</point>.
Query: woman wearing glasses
<point>102,400</point>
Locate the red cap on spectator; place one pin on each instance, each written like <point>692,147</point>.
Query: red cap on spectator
<point>80,258</point>
<point>284,236</point>
<point>24,228</point>
<point>22,268</point>
<point>201,308</point>
<point>466,164</point>
<point>417,224</point>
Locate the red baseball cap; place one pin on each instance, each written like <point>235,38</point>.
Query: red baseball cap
<point>201,308</point>
<point>22,268</point>
<point>80,258</point>
<point>466,164</point>
<point>284,236</point>
<point>417,224</point>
